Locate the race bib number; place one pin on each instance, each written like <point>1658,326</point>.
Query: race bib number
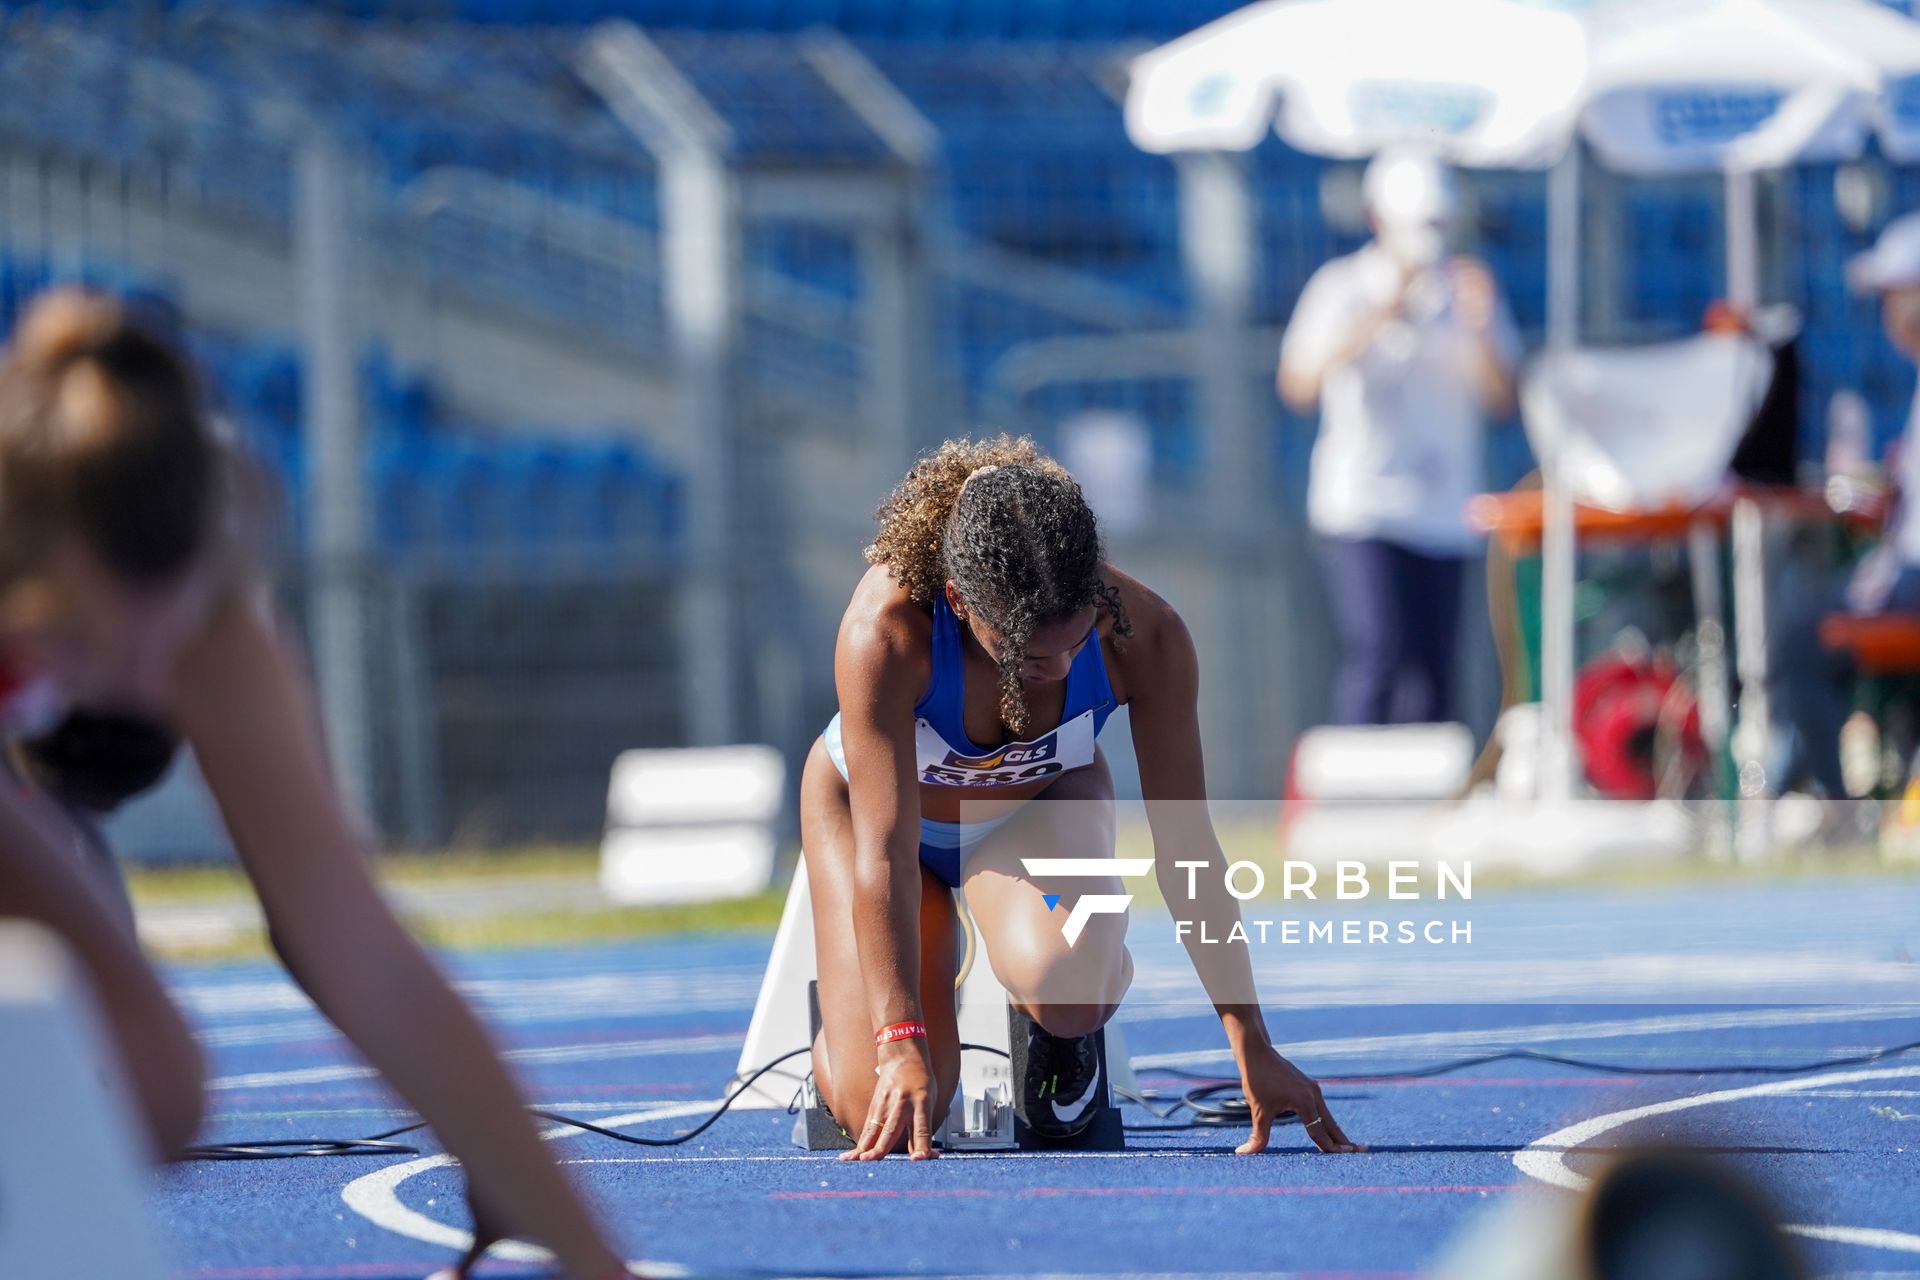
<point>1068,747</point>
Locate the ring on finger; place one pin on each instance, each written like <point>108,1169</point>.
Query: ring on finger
<point>1318,1120</point>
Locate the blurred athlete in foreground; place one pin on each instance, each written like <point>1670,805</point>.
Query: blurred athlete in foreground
<point>978,660</point>
<point>127,586</point>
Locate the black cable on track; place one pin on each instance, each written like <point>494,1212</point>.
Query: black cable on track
<point>1212,1102</point>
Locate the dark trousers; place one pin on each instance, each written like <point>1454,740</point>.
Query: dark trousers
<point>1812,687</point>
<point>1398,613</point>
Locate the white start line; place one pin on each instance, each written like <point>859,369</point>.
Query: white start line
<point>1545,1159</point>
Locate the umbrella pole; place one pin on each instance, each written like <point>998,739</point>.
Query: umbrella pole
<point>1220,251</point>
<point>1557,763</point>
<point>1753,730</point>
<point>1563,249</point>
<point>1743,239</point>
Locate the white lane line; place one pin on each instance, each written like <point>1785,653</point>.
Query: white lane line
<point>1863,1093</point>
<point>1868,1237</point>
<point>665,1047</point>
<point>1544,1159</point>
<point>308,1028</point>
<point>305,1075</point>
<point>810,1157</point>
<point>592,994</point>
<point>376,1196</point>
<point>1547,1032</point>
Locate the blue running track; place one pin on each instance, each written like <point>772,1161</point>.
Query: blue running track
<point>645,1034</point>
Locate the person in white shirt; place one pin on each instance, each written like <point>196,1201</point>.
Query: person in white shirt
<point>1889,579</point>
<point>1407,350</point>
<point>1812,692</point>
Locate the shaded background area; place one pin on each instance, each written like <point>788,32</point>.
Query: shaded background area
<point>933,222</point>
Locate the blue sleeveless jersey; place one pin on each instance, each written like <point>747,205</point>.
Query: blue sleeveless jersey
<point>946,757</point>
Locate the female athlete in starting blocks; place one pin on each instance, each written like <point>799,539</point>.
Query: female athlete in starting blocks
<point>128,585</point>
<point>977,662</point>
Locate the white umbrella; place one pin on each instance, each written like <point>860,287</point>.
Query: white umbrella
<point>1653,86</point>
<point>1656,86</point>
<point>1346,77</point>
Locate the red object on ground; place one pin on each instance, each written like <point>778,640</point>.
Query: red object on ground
<point>1620,707</point>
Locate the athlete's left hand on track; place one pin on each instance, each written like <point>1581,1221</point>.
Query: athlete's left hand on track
<point>1273,1087</point>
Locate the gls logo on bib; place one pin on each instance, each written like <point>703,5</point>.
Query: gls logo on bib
<point>1068,747</point>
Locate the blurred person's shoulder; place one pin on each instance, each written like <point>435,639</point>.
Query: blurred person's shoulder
<point>1362,264</point>
<point>1347,280</point>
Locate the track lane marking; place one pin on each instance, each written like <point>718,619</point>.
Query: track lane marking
<point>1545,1160</point>
<point>990,1193</point>
<point>375,1196</point>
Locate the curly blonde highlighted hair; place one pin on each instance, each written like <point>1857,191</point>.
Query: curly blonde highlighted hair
<point>1010,528</point>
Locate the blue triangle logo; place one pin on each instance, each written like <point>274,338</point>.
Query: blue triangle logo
<point>1053,900</point>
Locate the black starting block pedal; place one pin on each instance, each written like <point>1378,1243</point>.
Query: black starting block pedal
<point>1104,1132</point>
<point>814,1128</point>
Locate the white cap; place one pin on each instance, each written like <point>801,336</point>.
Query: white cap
<point>1404,186</point>
<point>1894,260</point>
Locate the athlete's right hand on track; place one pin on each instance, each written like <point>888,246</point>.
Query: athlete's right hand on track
<point>902,1104</point>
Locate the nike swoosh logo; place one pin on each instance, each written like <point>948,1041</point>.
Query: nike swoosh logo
<point>1069,1114</point>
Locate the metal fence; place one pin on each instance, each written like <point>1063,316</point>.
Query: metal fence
<point>585,354</point>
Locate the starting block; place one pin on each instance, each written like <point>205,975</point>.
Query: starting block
<point>984,1112</point>
<point>73,1172</point>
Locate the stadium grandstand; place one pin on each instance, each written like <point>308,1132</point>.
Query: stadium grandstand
<point>910,256</point>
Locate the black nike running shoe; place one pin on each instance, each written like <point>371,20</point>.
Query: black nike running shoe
<point>1062,1090</point>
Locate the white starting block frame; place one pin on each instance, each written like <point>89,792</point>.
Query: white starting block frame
<point>981,1115</point>
<point>692,825</point>
<point>73,1179</point>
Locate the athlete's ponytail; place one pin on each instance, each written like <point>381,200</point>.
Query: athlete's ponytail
<point>103,437</point>
<point>1009,526</point>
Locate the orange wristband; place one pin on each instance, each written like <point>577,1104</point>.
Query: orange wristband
<point>900,1031</point>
